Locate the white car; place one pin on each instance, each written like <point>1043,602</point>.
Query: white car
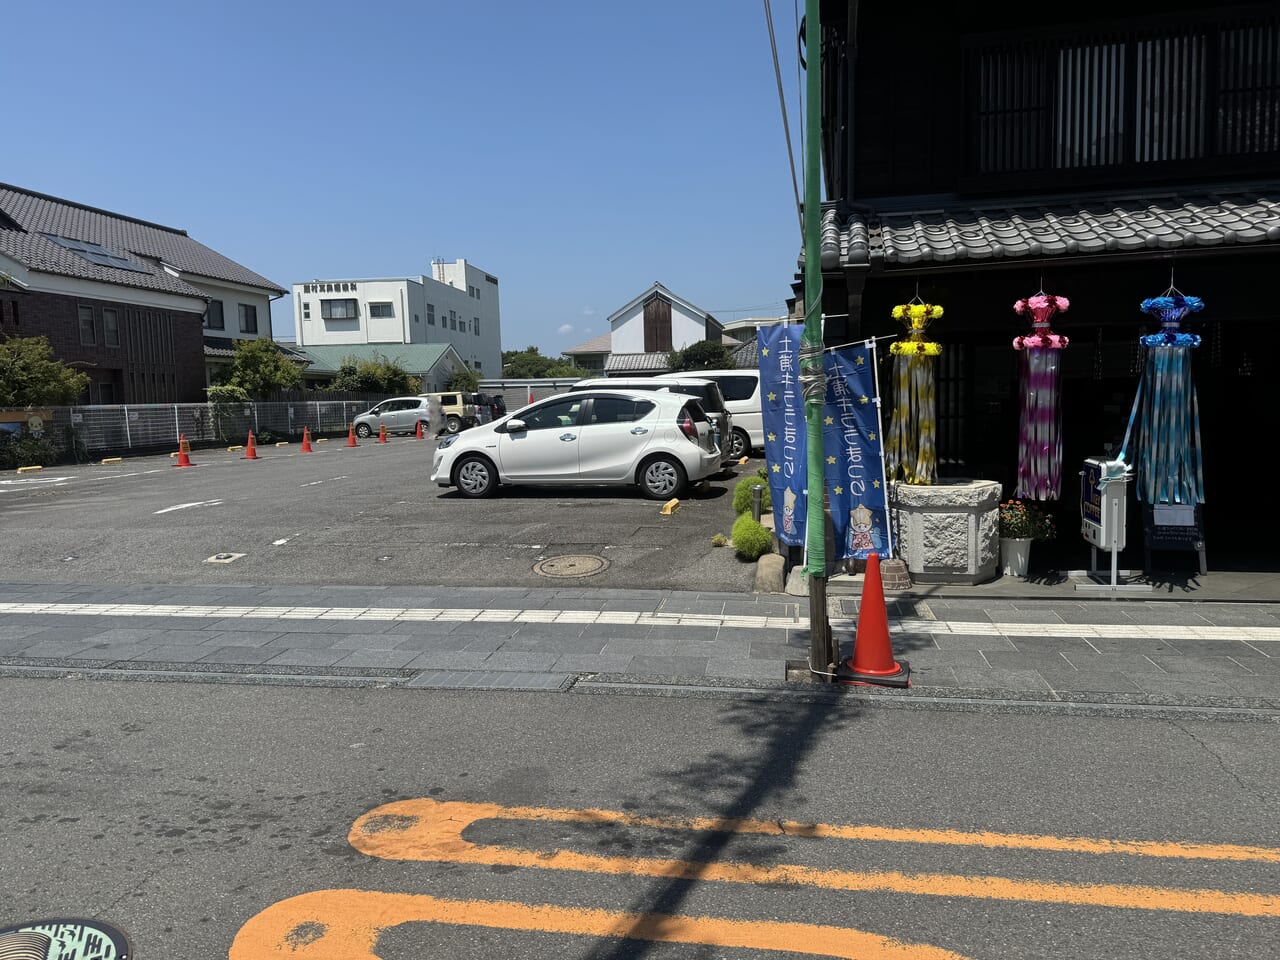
<point>658,441</point>
<point>741,391</point>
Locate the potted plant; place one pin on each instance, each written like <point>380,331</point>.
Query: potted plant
<point>1020,524</point>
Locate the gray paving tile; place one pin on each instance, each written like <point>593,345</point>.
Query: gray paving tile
<point>122,634</point>
<point>1166,614</point>
<point>1101,681</point>
<point>447,660</point>
<point>943,658</point>
<point>559,647</point>
<point>1000,679</point>
<point>1214,648</point>
<point>476,630</point>
<point>711,607</point>
<point>660,666</point>
<point>53,649</point>
<point>637,648</point>
<point>550,631</point>
<point>971,641</point>
<point>593,663</point>
<point>486,645</point>
<point>1051,645</point>
<point>438,643</point>
<point>1000,660</point>
<point>303,641</point>
<point>1262,666</point>
<point>911,642</point>
<point>1113,663</point>
<point>13,645</point>
<point>631,605</point>
<point>66,633</point>
<point>753,634</point>
<point>172,653</point>
<point>616,631</point>
<point>1201,666</point>
<point>520,661</point>
<point>367,641</point>
<point>685,634</point>
<point>307,657</point>
<point>235,638</point>
<point>1036,614</point>
<point>240,655</point>
<point>761,608</point>
<point>420,628</point>
<point>747,669</point>
<point>15,632</point>
<point>933,676</point>
<point>113,651</point>
<point>1187,686</point>
<point>1131,646</point>
<point>767,650</point>
<point>1111,614</point>
<point>377,658</point>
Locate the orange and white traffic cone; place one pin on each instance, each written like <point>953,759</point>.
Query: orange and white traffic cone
<point>418,433</point>
<point>306,440</point>
<point>382,433</point>
<point>872,663</point>
<point>250,449</point>
<point>351,435</point>
<point>184,452</point>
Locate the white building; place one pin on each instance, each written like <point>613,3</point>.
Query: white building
<point>457,305</point>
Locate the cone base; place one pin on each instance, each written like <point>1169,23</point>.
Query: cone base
<point>845,674</point>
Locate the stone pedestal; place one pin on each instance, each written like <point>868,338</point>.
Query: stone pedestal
<point>948,532</point>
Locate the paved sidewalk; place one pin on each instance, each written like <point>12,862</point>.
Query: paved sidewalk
<point>1010,641</point>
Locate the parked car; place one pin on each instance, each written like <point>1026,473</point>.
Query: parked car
<point>705,390</point>
<point>459,412</point>
<point>497,406</point>
<point>659,441</point>
<point>401,415</point>
<point>741,392</point>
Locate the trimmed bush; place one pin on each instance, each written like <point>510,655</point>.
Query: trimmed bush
<point>25,451</point>
<point>742,495</point>
<point>751,539</point>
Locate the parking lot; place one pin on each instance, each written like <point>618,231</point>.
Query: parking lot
<point>365,516</point>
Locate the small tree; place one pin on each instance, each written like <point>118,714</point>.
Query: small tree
<point>530,364</point>
<point>30,376</point>
<point>703,355</point>
<point>260,369</point>
<point>464,381</point>
<point>376,375</point>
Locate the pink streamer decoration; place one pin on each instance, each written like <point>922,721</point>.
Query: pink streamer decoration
<point>1040,430</point>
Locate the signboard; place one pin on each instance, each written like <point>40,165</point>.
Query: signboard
<point>1173,526</point>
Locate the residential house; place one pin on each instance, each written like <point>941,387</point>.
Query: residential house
<point>433,363</point>
<point>126,301</point>
<point>456,306</point>
<point>975,155</point>
<point>644,331</point>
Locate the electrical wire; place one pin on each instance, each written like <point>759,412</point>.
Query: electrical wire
<point>786,124</point>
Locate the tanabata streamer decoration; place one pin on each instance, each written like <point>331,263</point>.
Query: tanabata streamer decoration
<point>911,452</point>
<point>1170,467</point>
<point>1040,433</point>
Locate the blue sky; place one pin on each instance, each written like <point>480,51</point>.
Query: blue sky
<point>577,149</point>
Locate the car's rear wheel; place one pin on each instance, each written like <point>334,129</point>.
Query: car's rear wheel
<point>453,424</point>
<point>739,444</point>
<point>662,478</point>
<point>364,431</point>
<point>475,477</point>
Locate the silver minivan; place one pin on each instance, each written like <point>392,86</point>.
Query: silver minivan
<point>705,390</point>
<point>741,391</point>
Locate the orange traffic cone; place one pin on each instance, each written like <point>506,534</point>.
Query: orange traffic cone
<point>184,452</point>
<point>418,434</point>
<point>351,435</point>
<point>872,663</point>
<point>306,440</point>
<point>250,449</point>
<point>382,433</point>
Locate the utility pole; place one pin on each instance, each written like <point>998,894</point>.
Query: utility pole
<point>812,379</point>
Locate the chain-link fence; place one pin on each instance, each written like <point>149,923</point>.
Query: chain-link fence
<point>89,431</point>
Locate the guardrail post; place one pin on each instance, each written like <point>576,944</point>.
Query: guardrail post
<point>177,426</point>
<point>128,437</point>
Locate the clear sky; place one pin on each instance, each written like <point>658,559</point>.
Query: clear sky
<point>577,149</point>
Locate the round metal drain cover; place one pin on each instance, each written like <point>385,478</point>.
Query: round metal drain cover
<point>581,565</point>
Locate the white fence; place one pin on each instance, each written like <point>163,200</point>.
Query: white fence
<point>87,430</point>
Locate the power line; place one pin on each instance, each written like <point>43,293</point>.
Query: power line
<point>786,124</point>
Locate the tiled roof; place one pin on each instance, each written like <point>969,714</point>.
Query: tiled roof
<point>636,363</point>
<point>746,356</point>
<point>414,357</point>
<point>37,214</point>
<point>225,348</point>
<point>600,344</point>
<point>1089,226</point>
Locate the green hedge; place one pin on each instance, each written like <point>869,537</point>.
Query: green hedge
<point>751,539</point>
<point>742,495</point>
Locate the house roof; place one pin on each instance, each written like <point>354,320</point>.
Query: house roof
<point>657,287</point>
<point>224,348</point>
<point>636,363</point>
<point>887,240</point>
<point>27,218</point>
<point>414,357</point>
<point>600,344</point>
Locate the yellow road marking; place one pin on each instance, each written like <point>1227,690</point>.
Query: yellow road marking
<point>345,924</point>
<point>425,829</point>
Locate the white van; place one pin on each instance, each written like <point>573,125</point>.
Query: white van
<point>741,392</point>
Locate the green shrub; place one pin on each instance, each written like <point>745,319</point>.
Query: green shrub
<point>25,451</point>
<point>751,539</point>
<point>742,495</point>
<point>719,540</point>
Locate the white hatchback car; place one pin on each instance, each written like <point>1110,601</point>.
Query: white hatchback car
<point>658,441</point>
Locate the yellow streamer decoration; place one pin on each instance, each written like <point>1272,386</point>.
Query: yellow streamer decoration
<point>910,451</point>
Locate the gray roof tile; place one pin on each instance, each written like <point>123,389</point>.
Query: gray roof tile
<point>635,362</point>
<point>1089,226</point>
<point>35,214</point>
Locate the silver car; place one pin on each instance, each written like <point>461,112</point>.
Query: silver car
<point>401,415</point>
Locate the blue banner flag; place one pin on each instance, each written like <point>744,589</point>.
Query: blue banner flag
<point>782,411</point>
<point>854,467</point>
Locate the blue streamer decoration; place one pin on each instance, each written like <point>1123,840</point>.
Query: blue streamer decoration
<point>785,441</point>
<point>854,467</point>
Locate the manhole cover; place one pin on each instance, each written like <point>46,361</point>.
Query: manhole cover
<point>69,938</point>
<point>581,565</point>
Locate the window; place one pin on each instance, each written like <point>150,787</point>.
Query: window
<point>453,320</point>
<point>97,253</point>
<point>248,318</point>
<point>554,416</point>
<point>416,318</point>
<point>213,316</point>
<point>479,365</point>
<point>619,410</point>
<point>306,309</point>
<point>383,310</point>
<point>86,326</point>
<point>431,314</point>
<point>338,309</point>
<point>475,326</point>
<point>110,329</point>
<point>738,388</point>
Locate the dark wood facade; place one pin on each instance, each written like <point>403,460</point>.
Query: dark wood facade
<point>972,106</point>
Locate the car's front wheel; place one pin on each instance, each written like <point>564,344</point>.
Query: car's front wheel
<point>364,431</point>
<point>476,477</point>
<point>739,444</point>
<point>662,478</point>
<point>453,424</point>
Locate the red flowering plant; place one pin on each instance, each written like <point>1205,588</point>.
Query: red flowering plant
<point>1020,521</point>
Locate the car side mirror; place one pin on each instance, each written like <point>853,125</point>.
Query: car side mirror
<point>515,426</point>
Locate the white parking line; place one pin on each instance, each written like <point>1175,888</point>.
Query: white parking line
<point>328,480</point>
<point>184,506</point>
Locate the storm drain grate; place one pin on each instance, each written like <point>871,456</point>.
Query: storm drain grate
<point>580,565</point>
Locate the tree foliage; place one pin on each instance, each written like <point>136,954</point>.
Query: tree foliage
<point>377,375</point>
<point>703,355</point>
<point>260,369</point>
<point>464,381</point>
<point>530,364</point>
<point>30,376</point>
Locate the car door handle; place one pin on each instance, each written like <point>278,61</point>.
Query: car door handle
<point>639,431</point>
<point>568,436</point>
